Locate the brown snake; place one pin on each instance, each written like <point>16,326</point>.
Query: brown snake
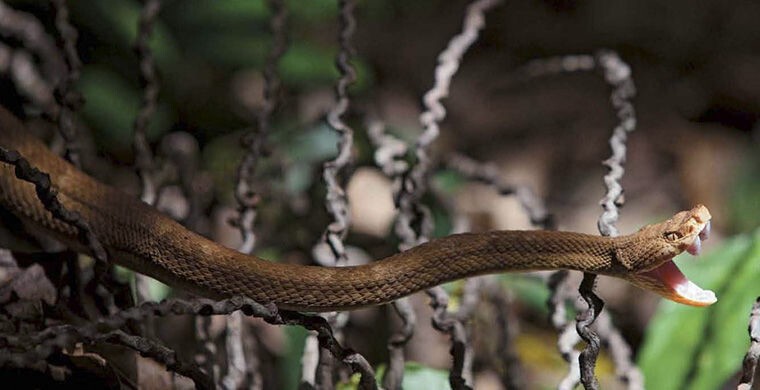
<point>140,238</point>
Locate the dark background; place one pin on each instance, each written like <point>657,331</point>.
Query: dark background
<point>695,65</point>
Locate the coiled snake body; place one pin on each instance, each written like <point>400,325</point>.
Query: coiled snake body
<point>140,238</point>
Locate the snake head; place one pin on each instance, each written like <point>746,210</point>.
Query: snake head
<point>685,231</point>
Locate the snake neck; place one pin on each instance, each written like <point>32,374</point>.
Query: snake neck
<point>516,251</point>
<point>438,261</point>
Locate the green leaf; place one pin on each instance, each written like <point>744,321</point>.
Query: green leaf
<point>449,181</point>
<point>701,348</point>
<point>312,11</point>
<point>530,291</point>
<point>291,360</point>
<point>206,13</point>
<point>311,65</point>
<point>158,290</point>
<point>114,22</point>
<point>744,202</point>
<point>232,48</point>
<point>417,377</point>
<point>111,106</point>
<point>305,147</point>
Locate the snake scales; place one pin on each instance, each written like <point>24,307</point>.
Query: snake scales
<point>140,238</point>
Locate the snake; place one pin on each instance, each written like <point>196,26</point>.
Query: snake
<point>137,236</point>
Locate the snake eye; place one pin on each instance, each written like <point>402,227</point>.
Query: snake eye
<point>673,236</point>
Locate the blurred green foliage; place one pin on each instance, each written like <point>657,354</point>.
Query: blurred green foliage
<point>291,361</point>
<point>745,195</point>
<point>701,348</point>
<point>303,148</point>
<point>114,114</point>
<point>416,377</point>
<point>199,46</point>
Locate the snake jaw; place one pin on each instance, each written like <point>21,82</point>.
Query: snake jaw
<point>668,281</point>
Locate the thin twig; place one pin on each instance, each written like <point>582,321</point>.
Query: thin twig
<point>68,99</point>
<point>414,224</point>
<point>237,368</point>
<point>414,186</point>
<point>48,196</point>
<point>148,79</point>
<point>511,371</point>
<point>749,365</point>
<point>534,207</point>
<point>336,201</point>
<point>335,197</point>
<point>488,174</point>
<point>558,65</point>
<point>160,353</point>
<point>49,199</point>
<point>583,321</point>
<point>19,349</point>
<point>206,351</point>
<point>63,337</point>
<point>389,156</point>
<point>625,368</point>
<point>20,65</point>
<point>255,142</point>
<point>68,102</point>
<point>618,75</point>
<point>31,33</point>
<point>144,164</point>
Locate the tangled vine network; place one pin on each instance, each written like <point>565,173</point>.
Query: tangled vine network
<point>44,330</point>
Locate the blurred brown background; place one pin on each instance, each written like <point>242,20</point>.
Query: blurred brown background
<point>695,66</point>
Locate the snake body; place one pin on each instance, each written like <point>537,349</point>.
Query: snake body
<point>142,239</point>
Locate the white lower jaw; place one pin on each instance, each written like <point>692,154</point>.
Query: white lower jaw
<point>691,291</point>
<point>677,287</point>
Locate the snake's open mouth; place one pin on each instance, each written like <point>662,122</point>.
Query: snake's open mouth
<point>673,284</point>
